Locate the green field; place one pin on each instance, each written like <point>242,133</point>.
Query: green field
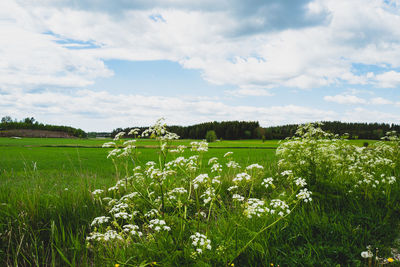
<point>46,205</point>
<point>58,142</point>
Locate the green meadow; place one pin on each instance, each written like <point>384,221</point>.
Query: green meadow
<point>49,215</point>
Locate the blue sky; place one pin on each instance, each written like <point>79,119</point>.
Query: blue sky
<point>99,65</point>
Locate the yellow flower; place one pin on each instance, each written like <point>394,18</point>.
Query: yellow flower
<point>390,260</point>
<point>232,264</point>
<point>272,264</point>
<point>116,265</point>
<point>154,263</point>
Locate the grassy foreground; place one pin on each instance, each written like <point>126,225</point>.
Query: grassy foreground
<point>48,209</point>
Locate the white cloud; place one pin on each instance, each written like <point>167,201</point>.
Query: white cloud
<point>380,101</point>
<point>249,92</point>
<point>315,45</point>
<point>345,99</point>
<point>92,110</point>
<point>390,79</point>
<point>368,115</point>
<point>352,100</point>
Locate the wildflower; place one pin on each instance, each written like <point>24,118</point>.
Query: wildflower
<point>130,143</point>
<point>256,207</point>
<point>227,154</point>
<point>241,176</point>
<point>200,242</point>
<point>116,265</point>
<point>232,187</point>
<point>286,173</point>
<point>151,213</point>
<point>199,146</point>
<point>132,229</point>
<point>109,144</point>
<point>159,225</point>
<point>97,192</point>
<point>366,254</point>
<point>123,215</point>
<point>212,160</point>
<point>305,195</point>
<point>119,135</point>
<point>100,220</point>
<point>301,182</point>
<point>134,131</point>
<point>114,152</point>
<point>390,260</point>
<point>267,182</point>
<point>232,164</point>
<point>254,166</point>
<point>208,195</point>
<point>200,179</point>
<point>237,197</point>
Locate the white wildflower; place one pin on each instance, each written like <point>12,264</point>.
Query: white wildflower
<point>100,220</point>
<point>227,154</point>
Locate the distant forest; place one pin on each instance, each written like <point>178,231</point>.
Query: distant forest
<point>354,130</point>
<point>7,123</point>
<point>232,130</point>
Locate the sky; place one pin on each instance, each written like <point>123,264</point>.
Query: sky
<point>99,64</point>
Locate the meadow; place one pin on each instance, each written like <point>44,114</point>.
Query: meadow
<point>313,201</point>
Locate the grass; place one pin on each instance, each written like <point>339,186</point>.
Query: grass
<point>92,142</point>
<point>46,208</point>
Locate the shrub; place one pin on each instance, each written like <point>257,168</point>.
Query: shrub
<point>211,136</point>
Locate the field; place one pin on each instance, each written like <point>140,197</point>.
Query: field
<point>48,208</point>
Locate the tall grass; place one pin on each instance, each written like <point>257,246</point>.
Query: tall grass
<point>164,212</point>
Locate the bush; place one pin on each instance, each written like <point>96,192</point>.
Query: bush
<point>211,136</point>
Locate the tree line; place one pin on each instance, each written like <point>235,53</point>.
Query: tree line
<point>354,130</point>
<point>7,123</point>
<point>233,130</point>
<point>227,130</point>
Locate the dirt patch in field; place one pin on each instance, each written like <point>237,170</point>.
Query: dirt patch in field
<point>34,133</point>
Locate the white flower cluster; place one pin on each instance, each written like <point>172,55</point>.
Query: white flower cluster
<point>228,154</point>
<point>109,144</point>
<point>132,229</point>
<point>179,149</point>
<point>286,173</point>
<point>212,160</point>
<point>200,179</point>
<point>241,176</point>
<point>100,220</point>
<point>232,187</point>
<point>200,242</point>
<point>123,215</point>
<point>134,131</point>
<point>171,195</point>
<point>304,195</point>
<point>97,192</point>
<point>368,253</point>
<point>151,213</point>
<point>201,146</point>
<point>233,164</point>
<point>300,182</point>
<point>208,195</point>
<point>255,207</point>
<point>119,135</point>
<point>110,235</point>
<point>254,166</point>
<point>159,225</point>
<point>119,207</point>
<point>216,167</point>
<point>237,197</point>
<point>267,182</point>
<point>277,204</point>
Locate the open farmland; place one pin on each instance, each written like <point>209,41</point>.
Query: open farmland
<point>295,205</point>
